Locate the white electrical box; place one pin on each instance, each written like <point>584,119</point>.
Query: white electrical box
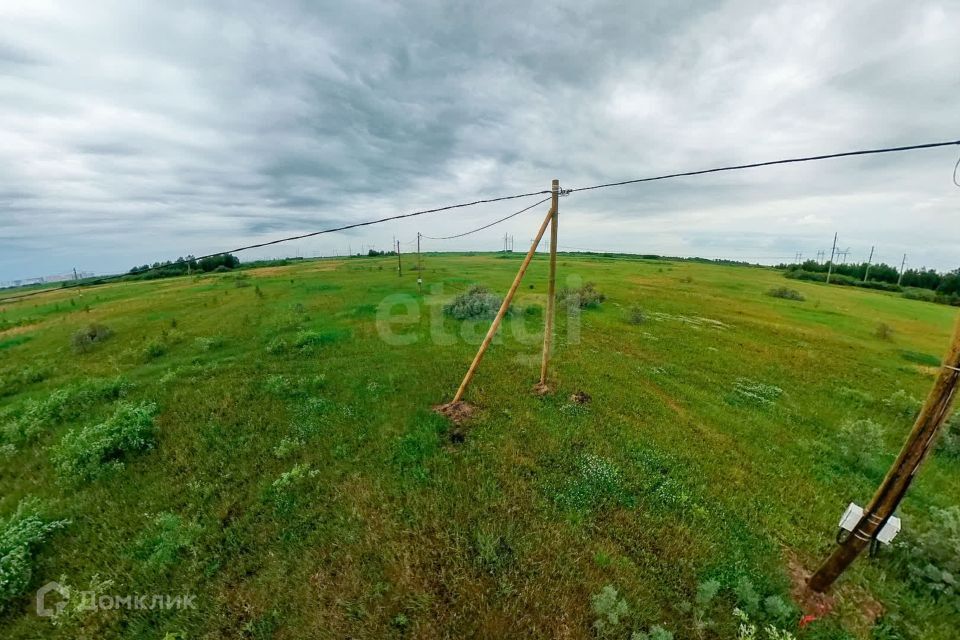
<point>853,515</point>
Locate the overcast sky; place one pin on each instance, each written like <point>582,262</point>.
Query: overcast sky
<point>139,131</point>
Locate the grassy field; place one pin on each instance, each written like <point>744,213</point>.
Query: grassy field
<point>264,441</point>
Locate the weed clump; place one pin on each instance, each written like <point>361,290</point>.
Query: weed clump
<point>786,293</point>
<point>883,331</point>
<point>585,297</point>
<point>20,535</point>
<point>636,316</point>
<point>476,303</point>
<point>596,483</point>
<point>751,392</point>
<point>165,541</point>
<point>283,492</point>
<point>949,443</point>
<point>86,454</point>
<point>87,338</point>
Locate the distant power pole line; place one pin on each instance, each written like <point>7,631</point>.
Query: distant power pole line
<point>902,262</point>
<point>869,261</point>
<point>833,250</point>
<point>399,265</point>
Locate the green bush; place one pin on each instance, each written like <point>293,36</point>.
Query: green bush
<point>949,443</point>
<point>786,293</point>
<point>87,338</point>
<point>635,315</point>
<point>20,535</point>
<point>861,440</point>
<point>931,556</point>
<point>585,297</point>
<point>476,302</point>
<point>87,453</point>
<point>61,406</point>
<point>902,405</point>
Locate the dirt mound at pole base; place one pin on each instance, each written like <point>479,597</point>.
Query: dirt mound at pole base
<point>457,412</point>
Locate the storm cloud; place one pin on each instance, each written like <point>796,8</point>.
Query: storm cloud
<point>134,132</point>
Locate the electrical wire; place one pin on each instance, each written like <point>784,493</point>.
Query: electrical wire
<point>355,225</point>
<point>754,165</point>
<point>487,226</point>
<point>533,193</point>
<point>955,167</point>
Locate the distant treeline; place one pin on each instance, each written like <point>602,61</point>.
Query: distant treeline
<point>182,266</point>
<point>943,283</point>
<point>917,284</point>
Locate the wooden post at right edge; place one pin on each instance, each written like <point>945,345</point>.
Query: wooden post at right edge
<point>936,409</point>
<point>551,285</point>
<point>503,309</point>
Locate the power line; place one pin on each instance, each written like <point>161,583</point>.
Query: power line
<point>308,235</point>
<point>533,193</point>
<point>845,154</point>
<point>487,226</point>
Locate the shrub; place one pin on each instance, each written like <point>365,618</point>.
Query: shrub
<point>931,558</point>
<point>20,535</point>
<point>164,542</point>
<point>635,315</point>
<point>609,608</point>
<point>87,338</point>
<point>883,331</point>
<point>949,443</point>
<point>62,405</point>
<point>476,302</point>
<point>154,349</point>
<point>903,405</point>
<point>786,293</point>
<point>861,439</point>
<point>306,340</point>
<point>88,453</point>
<point>585,297</point>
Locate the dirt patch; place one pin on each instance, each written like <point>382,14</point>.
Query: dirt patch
<point>844,600</point>
<point>580,397</point>
<point>457,412</point>
<point>814,605</point>
<point>541,389</point>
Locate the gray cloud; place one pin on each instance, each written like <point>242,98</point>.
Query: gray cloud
<point>136,132</point>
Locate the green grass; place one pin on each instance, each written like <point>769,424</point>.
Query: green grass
<point>293,477</point>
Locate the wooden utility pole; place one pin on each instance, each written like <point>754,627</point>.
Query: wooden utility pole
<point>830,264</point>
<point>399,266</point>
<point>869,261</point>
<point>503,308</point>
<point>902,262</point>
<point>551,284</point>
<point>419,267</point>
<point>936,409</point>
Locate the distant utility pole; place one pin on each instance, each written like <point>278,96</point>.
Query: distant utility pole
<point>869,261</point>
<point>75,274</point>
<point>820,257</point>
<point>399,266</point>
<point>419,267</point>
<point>922,438</point>
<point>902,262</point>
<point>832,252</point>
